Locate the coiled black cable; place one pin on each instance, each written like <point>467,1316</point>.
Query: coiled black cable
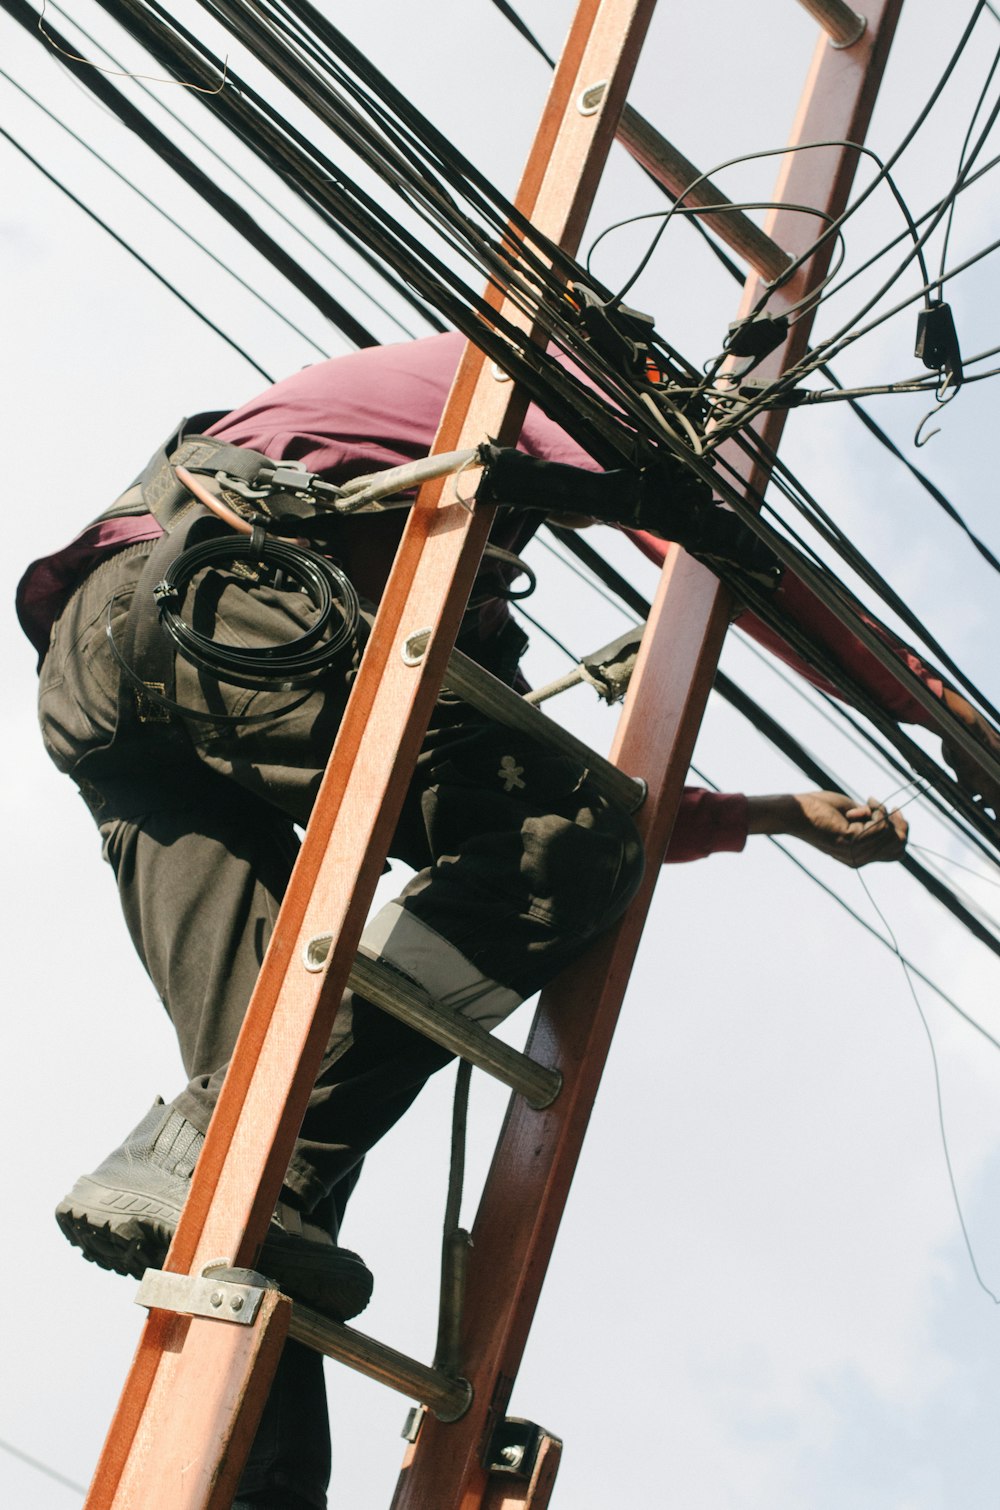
<point>287,665</point>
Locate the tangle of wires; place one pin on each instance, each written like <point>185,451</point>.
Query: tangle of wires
<point>610,409</point>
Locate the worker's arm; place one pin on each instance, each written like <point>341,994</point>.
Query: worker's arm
<point>855,833</point>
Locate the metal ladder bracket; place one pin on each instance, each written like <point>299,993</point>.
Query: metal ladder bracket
<point>514,1447</point>
<point>412,1424</point>
<point>216,1293</point>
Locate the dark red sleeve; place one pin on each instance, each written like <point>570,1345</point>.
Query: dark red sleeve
<point>708,823</point>
<point>804,609</point>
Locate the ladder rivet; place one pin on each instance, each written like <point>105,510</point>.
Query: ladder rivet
<point>216,1297</point>
<point>236,1304</point>
<point>590,100</point>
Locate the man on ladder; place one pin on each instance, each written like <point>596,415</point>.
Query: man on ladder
<point>197,772</point>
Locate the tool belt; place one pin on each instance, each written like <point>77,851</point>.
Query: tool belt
<point>272,497</point>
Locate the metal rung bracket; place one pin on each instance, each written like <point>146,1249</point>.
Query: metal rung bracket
<point>498,701</point>
<point>522,1460</point>
<point>842,25</point>
<point>235,1295</point>
<point>390,991</point>
<point>445,1397</point>
<point>235,1298</point>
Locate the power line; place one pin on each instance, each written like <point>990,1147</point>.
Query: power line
<point>621,587</point>
<point>159,210</point>
<point>171,287</point>
<point>232,212</point>
<point>36,1463</point>
<point>253,188</point>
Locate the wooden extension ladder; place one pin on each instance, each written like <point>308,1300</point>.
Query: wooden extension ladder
<point>211,1343</point>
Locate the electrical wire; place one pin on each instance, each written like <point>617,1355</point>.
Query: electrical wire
<point>232,212</point>
<point>36,1463</point>
<point>165,215</point>
<point>126,246</point>
<point>894,241</point>
<point>961,163</point>
<point>910,971</point>
<point>906,968</point>
<point>788,273</point>
<point>414,139</point>
<point>677,208</point>
<point>846,334</point>
<point>253,188</point>
<point>950,860</point>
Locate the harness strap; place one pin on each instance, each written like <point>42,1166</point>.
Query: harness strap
<point>167,499</point>
<point>108,777</point>
<point>147,654</point>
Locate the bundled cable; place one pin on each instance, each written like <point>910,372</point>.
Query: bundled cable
<point>276,668</point>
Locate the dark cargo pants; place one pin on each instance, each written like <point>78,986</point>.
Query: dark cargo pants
<point>519,864</point>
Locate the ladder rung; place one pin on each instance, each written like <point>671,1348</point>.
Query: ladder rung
<point>842,25</point>
<point>505,706</point>
<point>448,1398</point>
<point>672,169</point>
<point>393,993</point>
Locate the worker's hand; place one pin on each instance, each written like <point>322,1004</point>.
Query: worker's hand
<point>979,782</point>
<point>855,833</point>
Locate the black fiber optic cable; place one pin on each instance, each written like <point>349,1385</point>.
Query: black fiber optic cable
<point>547,383</point>
<point>426,314</point>
<point>566,400</point>
<point>201,182</point>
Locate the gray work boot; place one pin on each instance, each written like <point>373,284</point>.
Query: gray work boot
<point>123,1217</point>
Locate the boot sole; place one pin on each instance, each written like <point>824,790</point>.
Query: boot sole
<point>120,1230</point>
<point>128,1233</point>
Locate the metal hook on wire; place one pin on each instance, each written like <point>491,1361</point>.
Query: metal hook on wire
<point>943,397</point>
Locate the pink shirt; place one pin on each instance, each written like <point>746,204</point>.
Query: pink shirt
<point>360,413</point>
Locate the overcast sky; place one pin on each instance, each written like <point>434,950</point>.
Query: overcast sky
<point>760,1297</point>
